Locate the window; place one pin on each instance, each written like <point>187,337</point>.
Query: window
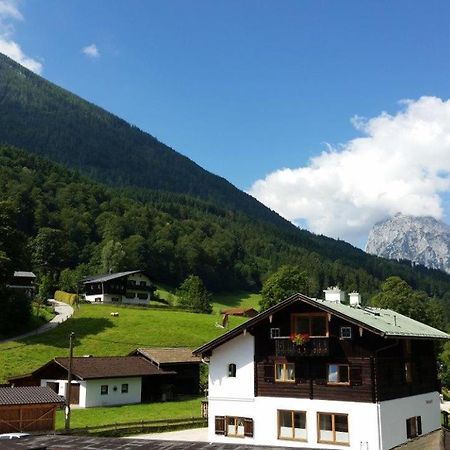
<point>285,372</point>
<point>346,332</point>
<point>274,333</point>
<point>413,427</point>
<point>315,325</point>
<point>232,370</point>
<point>143,283</point>
<point>97,300</point>
<point>124,388</point>
<point>104,389</point>
<point>143,296</point>
<point>292,425</point>
<point>333,428</point>
<point>338,374</point>
<point>234,426</point>
<point>131,294</point>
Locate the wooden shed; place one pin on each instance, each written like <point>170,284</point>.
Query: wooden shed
<point>243,312</point>
<point>186,366</point>
<point>28,409</point>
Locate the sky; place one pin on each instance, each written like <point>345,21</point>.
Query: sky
<point>333,113</point>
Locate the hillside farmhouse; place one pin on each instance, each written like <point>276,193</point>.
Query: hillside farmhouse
<point>321,374</point>
<point>133,288</point>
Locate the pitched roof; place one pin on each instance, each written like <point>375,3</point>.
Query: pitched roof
<point>28,395</point>
<point>109,276</point>
<point>169,355</point>
<point>93,367</point>
<point>384,322</point>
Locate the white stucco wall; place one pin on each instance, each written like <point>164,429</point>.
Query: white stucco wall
<point>104,298</point>
<point>362,420</point>
<point>114,397</point>
<point>90,391</point>
<point>238,351</point>
<point>393,414</point>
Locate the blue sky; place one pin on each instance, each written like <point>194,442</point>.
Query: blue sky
<point>247,88</point>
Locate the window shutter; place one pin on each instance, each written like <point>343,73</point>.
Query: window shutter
<point>220,425</point>
<point>356,375</point>
<point>269,373</point>
<point>409,428</point>
<point>419,425</point>
<point>248,427</point>
<point>320,373</point>
<point>301,373</point>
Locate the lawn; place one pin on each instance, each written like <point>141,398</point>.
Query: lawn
<point>235,299</point>
<point>130,413</point>
<point>98,333</point>
<point>219,300</point>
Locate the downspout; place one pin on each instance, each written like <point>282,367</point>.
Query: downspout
<point>375,380</point>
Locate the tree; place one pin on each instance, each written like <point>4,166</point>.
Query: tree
<point>193,294</point>
<point>399,296</point>
<point>113,256</point>
<point>286,281</point>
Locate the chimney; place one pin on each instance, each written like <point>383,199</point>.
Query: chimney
<point>334,294</point>
<point>355,299</point>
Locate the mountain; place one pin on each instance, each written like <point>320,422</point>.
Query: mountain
<point>182,218</point>
<point>423,240</point>
<point>45,119</point>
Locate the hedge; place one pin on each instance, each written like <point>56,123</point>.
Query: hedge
<point>66,297</point>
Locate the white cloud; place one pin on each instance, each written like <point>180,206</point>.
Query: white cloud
<point>401,165</point>
<point>91,51</point>
<point>9,11</point>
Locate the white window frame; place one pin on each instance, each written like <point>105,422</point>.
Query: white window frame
<point>274,333</point>
<point>345,333</point>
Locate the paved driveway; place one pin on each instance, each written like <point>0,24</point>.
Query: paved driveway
<point>96,443</point>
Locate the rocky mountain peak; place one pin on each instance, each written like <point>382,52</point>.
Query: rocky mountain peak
<point>423,240</point>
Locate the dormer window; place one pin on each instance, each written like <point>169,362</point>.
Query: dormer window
<point>314,324</point>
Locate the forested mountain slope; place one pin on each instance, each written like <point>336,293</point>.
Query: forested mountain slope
<point>178,218</point>
<point>68,221</point>
<point>42,118</point>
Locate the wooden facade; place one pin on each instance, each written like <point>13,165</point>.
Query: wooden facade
<point>374,368</point>
<point>27,418</point>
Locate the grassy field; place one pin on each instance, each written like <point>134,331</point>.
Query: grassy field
<point>130,413</point>
<point>98,333</point>
<point>219,300</point>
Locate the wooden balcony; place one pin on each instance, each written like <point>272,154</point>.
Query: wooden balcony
<point>314,347</point>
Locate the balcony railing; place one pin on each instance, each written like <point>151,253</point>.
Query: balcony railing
<point>314,347</point>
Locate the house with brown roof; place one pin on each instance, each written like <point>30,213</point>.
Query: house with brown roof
<point>30,408</point>
<point>186,380</point>
<point>242,312</point>
<point>102,381</point>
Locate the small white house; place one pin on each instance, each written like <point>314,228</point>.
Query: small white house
<point>320,374</point>
<point>101,381</point>
<point>133,288</point>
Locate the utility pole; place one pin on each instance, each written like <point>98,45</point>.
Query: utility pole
<point>69,383</point>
